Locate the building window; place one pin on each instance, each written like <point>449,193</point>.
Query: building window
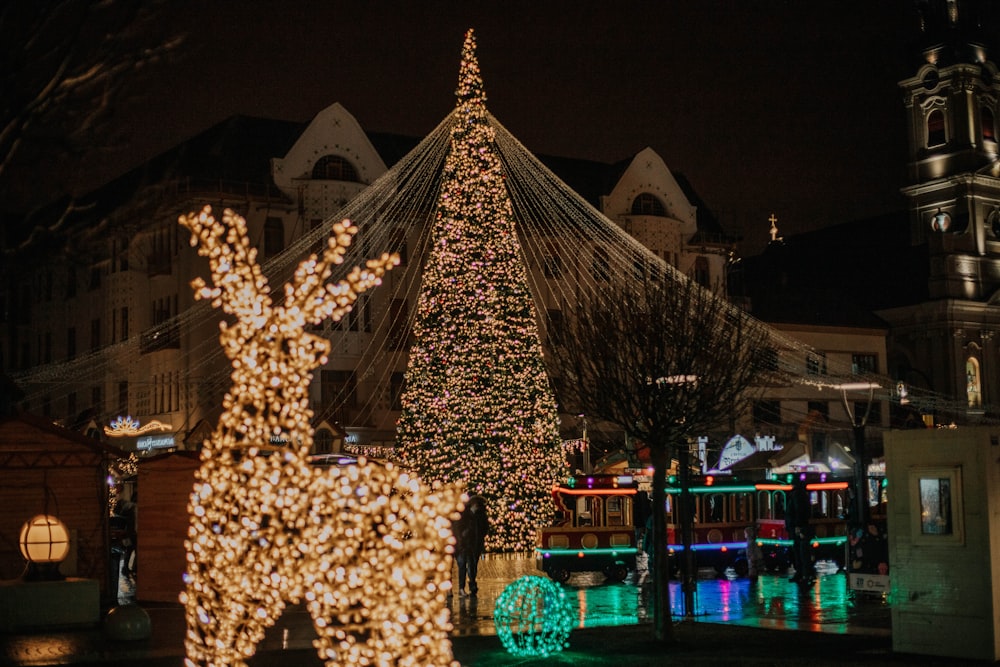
<point>816,363</point>
<point>397,244</point>
<point>555,326</point>
<point>124,323</point>
<point>95,335</point>
<point>71,343</point>
<point>397,382</point>
<point>95,277</point>
<point>274,236</point>
<point>701,272</point>
<point>334,168</point>
<point>399,316</point>
<point>820,408</point>
<point>648,204</point>
<point>47,348</point>
<point>123,397</point>
<point>973,383</point>
<point>864,363</point>
<point>988,123</point>
<point>552,261</point>
<point>360,316</point>
<point>936,135</point>
<point>339,392</point>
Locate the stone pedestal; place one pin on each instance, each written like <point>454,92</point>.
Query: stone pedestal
<point>41,605</point>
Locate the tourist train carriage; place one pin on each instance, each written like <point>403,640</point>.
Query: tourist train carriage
<point>724,506</point>
<point>592,529</point>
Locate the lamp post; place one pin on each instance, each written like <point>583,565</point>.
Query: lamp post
<point>858,423</point>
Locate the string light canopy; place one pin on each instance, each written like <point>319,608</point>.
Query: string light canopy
<point>365,547</point>
<point>560,234</point>
<point>478,407</point>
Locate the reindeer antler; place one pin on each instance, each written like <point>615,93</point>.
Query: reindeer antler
<point>273,356</point>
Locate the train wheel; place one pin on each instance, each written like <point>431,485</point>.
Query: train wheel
<point>559,574</point>
<point>616,573</point>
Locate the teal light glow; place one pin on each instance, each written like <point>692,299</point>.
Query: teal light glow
<point>836,540</point>
<point>623,551</point>
<point>533,618</point>
<point>716,489</point>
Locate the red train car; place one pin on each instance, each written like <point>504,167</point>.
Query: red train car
<point>592,530</point>
<point>724,506</point>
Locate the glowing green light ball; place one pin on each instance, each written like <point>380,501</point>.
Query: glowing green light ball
<point>532,617</point>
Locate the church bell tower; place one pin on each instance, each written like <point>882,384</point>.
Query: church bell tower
<point>949,343</point>
<point>953,168</point>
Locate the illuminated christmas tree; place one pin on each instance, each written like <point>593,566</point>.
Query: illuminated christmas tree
<point>478,407</point>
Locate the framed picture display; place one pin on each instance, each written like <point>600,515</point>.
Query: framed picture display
<point>936,502</point>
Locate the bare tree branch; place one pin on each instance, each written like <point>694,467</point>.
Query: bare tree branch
<point>66,64</point>
<point>665,360</point>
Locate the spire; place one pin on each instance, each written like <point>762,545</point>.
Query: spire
<point>470,92</point>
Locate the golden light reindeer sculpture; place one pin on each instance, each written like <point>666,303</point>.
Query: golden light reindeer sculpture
<point>365,547</point>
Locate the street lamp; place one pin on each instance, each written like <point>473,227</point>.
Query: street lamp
<point>858,423</point>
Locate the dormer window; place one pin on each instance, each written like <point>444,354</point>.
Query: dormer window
<point>335,168</point>
<point>986,119</point>
<point>936,135</point>
<point>648,204</point>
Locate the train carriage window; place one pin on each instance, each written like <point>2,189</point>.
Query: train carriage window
<point>615,511</point>
<point>779,505</point>
<point>716,508</point>
<point>764,508</point>
<point>740,510</point>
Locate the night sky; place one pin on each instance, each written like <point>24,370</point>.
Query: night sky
<point>789,107</point>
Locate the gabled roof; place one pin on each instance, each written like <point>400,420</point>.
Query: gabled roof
<point>23,423</point>
<point>838,275</point>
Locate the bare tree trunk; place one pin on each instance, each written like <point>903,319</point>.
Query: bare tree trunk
<point>663,628</point>
<point>685,508</point>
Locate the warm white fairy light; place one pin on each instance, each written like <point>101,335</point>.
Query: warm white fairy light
<point>478,407</point>
<point>365,547</point>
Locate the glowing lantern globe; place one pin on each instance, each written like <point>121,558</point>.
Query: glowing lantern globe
<point>44,544</point>
<point>533,618</point>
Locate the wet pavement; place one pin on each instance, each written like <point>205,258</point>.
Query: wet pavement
<point>771,602</point>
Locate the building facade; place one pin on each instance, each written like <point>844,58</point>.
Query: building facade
<point>102,330</point>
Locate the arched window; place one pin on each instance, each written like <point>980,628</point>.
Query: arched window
<point>989,125</point>
<point>647,204</point>
<point>936,135</point>
<point>701,273</point>
<point>274,237</point>
<point>334,168</point>
<point>973,383</point>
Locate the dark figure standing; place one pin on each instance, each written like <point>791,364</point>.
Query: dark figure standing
<point>797,514</point>
<point>470,539</point>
